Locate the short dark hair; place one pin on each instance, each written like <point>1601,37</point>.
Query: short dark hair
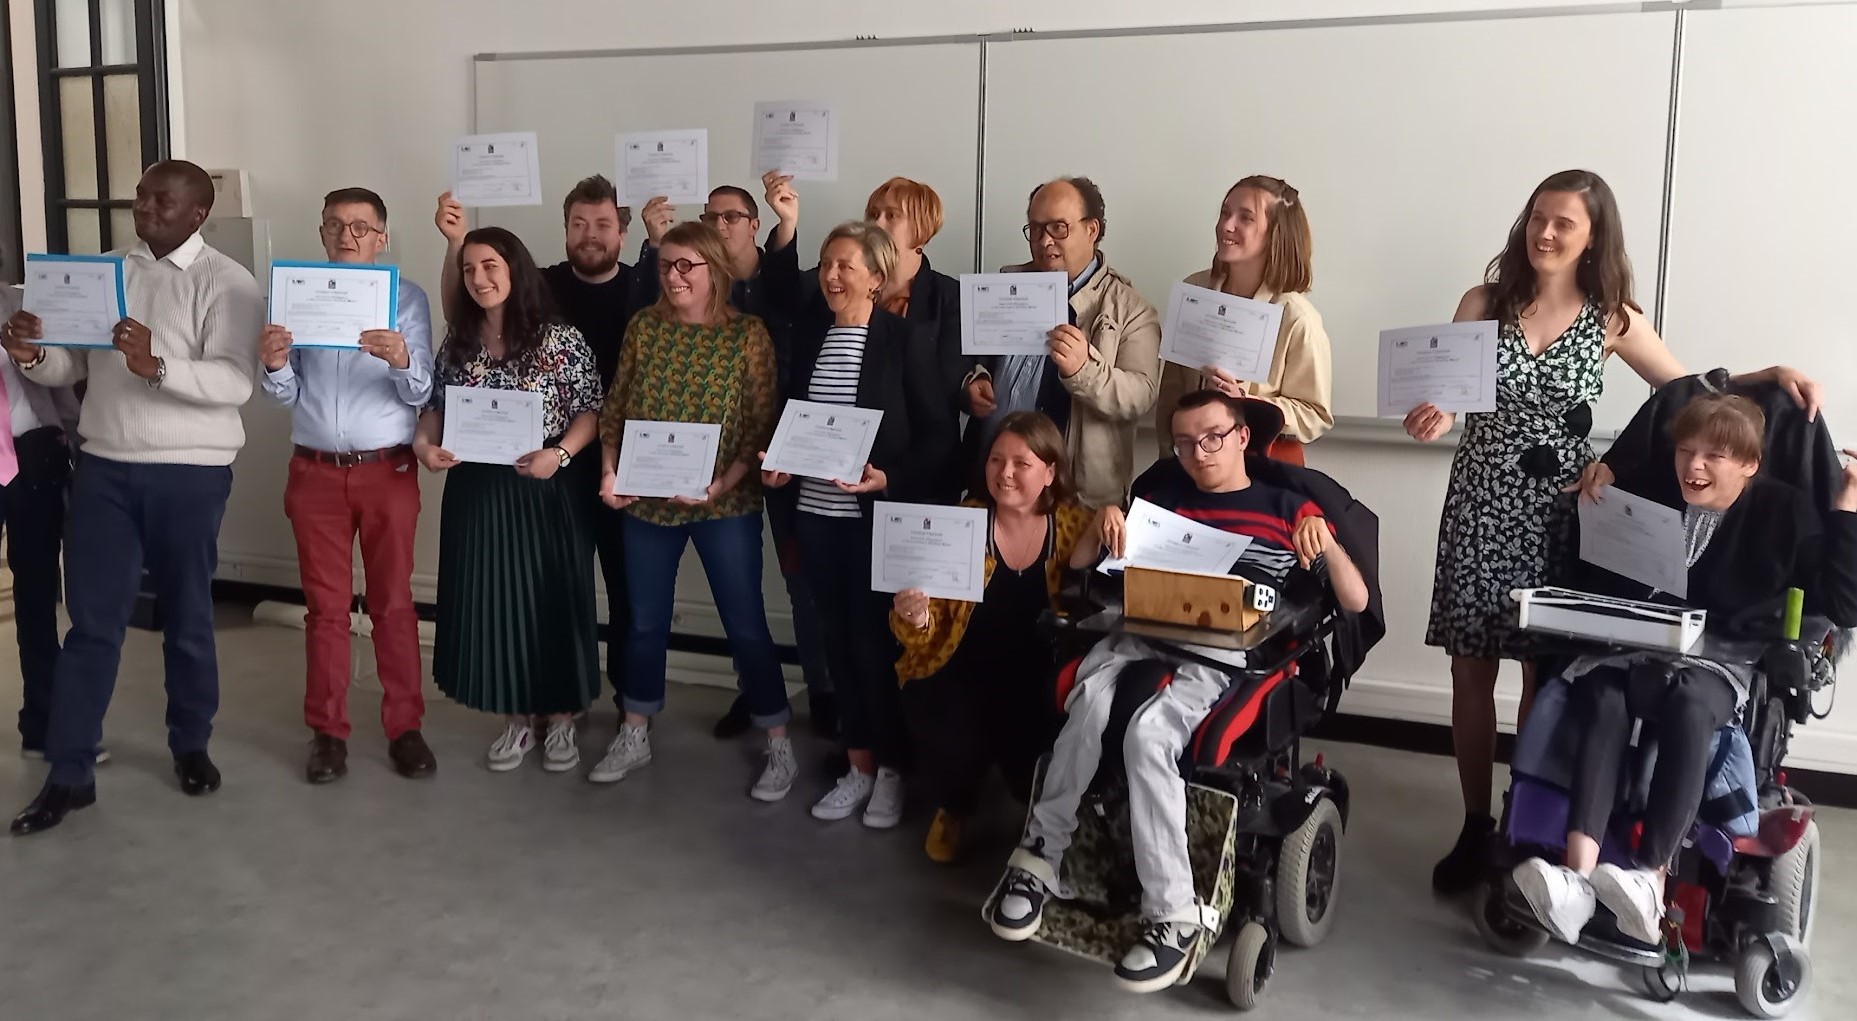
<point>1201,398</point>
<point>754,211</point>
<point>592,191</point>
<point>1094,208</point>
<point>356,197</point>
<point>197,183</point>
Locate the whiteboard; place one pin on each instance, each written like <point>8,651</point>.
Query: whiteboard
<point>912,111</point>
<point>1763,215</point>
<point>1414,146</point>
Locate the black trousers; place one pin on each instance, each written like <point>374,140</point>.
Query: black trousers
<point>970,716</point>
<point>860,652</point>
<point>32,513</point>
<point>607,527</point>
<point>1682,717</point>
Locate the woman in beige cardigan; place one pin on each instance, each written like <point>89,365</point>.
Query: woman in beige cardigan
<point>1263,252</point>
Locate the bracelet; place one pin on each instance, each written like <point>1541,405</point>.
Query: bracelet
<point>37,360</point>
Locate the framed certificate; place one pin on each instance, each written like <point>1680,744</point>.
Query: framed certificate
<point>79,299</point>
<point>331,304</point>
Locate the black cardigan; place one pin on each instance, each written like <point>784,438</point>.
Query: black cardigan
<point>1770,539</point>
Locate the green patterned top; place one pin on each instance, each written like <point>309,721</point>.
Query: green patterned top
<point>721,374</point>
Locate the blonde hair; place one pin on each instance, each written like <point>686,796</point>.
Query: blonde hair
<point>1289,244</point>
<point>920,204</point>
<point>704,240</point>
<point>875,243</point>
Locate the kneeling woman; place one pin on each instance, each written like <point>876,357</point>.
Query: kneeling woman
<point>976,676</point>
<point>1748,539</point>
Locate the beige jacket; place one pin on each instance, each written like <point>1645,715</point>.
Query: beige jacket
<point>1115,388</point>
<point>1301,373</point>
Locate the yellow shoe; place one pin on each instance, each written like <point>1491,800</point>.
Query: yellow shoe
<point>943,845</point>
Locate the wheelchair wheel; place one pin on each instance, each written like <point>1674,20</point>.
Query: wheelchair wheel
<point>1247,970</point>
<point>1795,886</point>
<point>1761,986</point>
<point>1662,984</point>
<point>1309,877</point>
<point>1502,933</point>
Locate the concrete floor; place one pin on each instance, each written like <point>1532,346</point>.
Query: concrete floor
<point>671,895</point>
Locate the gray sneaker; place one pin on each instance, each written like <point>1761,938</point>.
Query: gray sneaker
<point>560,752</point>
<point>629,751</point>
<point>777,777</point>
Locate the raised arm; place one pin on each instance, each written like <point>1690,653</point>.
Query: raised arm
<point>451,223</point>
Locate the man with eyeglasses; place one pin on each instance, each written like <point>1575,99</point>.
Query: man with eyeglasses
<point>1211,433</point>
<point>1102,369</point>
<point>353,414</point>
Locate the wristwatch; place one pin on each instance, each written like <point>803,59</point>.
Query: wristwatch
<point>161,373</point>
<point>566,458</point>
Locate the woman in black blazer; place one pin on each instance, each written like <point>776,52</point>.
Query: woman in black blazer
<point>846,350</point>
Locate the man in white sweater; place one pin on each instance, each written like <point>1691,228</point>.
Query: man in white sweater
<point>160,423</point>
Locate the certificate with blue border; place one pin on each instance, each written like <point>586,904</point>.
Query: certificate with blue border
<point>331,304</point>
<point>79,299</point>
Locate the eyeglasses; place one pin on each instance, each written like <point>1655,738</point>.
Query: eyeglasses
<point>683,266</point>
<point>1057,230</point>
<point>361,230</point>
<point>1211,443</point>
<point>728,216</point>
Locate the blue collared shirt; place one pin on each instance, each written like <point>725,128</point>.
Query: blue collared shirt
<point>350,400</point>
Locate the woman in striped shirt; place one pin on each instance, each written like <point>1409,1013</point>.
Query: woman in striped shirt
<point>848,351</point>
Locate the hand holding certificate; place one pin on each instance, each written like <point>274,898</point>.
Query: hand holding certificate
<point>666,460</point>
<point>674,164</point>
<point>488,426</point>
<point>1451,366</point>
<point>325,304</point>
<point>1210,328</point>
<point>822,441</point>
<point>497,170</point>
<point>1636,538</point>
<point>940,550</point>
<point>1011,313</point>
<point>1165,541</point>
<point>798,139</point>
<point>78,298</point>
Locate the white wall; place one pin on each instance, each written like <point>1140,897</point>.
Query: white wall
<point>310,96</point>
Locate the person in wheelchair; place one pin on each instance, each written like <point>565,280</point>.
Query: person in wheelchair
<point>1748,539</point>
<point>1211,432</point>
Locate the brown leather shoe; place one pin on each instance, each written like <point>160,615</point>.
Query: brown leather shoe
<point>328,759</point>
<point>411,757</point>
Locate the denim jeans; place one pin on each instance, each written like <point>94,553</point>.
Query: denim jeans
<point>730,549</point>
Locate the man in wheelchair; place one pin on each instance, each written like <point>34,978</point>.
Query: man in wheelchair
<point>1748,539</point>
<point>1211,432</point>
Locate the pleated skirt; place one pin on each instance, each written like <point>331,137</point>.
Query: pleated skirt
<point>517,630</point>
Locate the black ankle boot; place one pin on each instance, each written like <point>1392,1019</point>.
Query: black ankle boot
<point>1463,868</point>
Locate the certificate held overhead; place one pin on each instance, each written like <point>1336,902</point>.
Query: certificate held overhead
<point>79,299</point>
<point>799,140</point>
<point>497,170</point>
<point>674,164</point>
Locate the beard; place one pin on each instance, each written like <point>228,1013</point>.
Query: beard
<point>593,260</point>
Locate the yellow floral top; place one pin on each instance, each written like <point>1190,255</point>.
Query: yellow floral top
<point>720,374</point>
<point>926,650</point>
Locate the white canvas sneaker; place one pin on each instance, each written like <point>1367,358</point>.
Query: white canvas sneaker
<point>560,753</point>
<point>777,777</point>
<point>508,751</point>
<point>845,797</point>
<point>1561,898</point>
<point>629,751</point>
<point>1635,897</point>
<point>885,808</point>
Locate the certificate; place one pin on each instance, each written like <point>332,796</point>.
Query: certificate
<point>666,459</point>
<point>78,298</point>
<point>491,426</point>
<point>1451,365</point>
<point>1011,313</point>
<point>497,170</point>
<point>799,139</point>
<point>822,441</point>
<point>674,164</point>
<point>326,304</point>
<point>940,550</point>
<point>1636,538</point>
<point>1165,541</point>
<point>1206,327</point>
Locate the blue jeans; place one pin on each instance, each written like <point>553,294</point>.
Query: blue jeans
<point>730,549</point>
<point>123,516</point>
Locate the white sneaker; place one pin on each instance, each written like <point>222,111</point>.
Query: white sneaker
<point>560,753</point>
<point>845,797</point>
<point>885,808</point>
<point>1635,897</point>
<point>1561,898</point>
<point>777,778</point>
<point>630,750</point>
<point>509,750</point>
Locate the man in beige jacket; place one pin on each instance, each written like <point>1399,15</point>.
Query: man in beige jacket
<point>1102,369</point>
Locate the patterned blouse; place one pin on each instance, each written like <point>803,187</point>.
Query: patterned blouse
<point>721,374</point>
<point>561,369</point>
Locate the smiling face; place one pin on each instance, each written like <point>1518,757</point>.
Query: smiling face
<point>1016,476</point>
<point>687,290</point>
<point>1244,226</point>
<point>594,237</point>
<point>486,275</point>
<point>1559,231</point>
<point>170,205</point>
<point>845,276</point>
<point>1710,476</point>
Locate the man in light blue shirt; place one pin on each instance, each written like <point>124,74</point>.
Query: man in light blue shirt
<point>352,419</point>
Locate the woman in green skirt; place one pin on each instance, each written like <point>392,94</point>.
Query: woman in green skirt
<point>516,625</point>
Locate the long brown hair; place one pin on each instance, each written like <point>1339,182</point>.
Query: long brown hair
<point>1047,443</point>
<point>528,310</point>
<point>1289,244</point>
<point>705,241</point>
<point>1604,272</point>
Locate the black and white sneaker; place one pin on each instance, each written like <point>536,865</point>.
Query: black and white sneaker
<point>1157,961</point>
<point>1020,906</point>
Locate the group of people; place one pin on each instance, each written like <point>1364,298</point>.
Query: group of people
<point>710,326</point>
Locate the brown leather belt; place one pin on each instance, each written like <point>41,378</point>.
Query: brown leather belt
<point>349,459</point>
